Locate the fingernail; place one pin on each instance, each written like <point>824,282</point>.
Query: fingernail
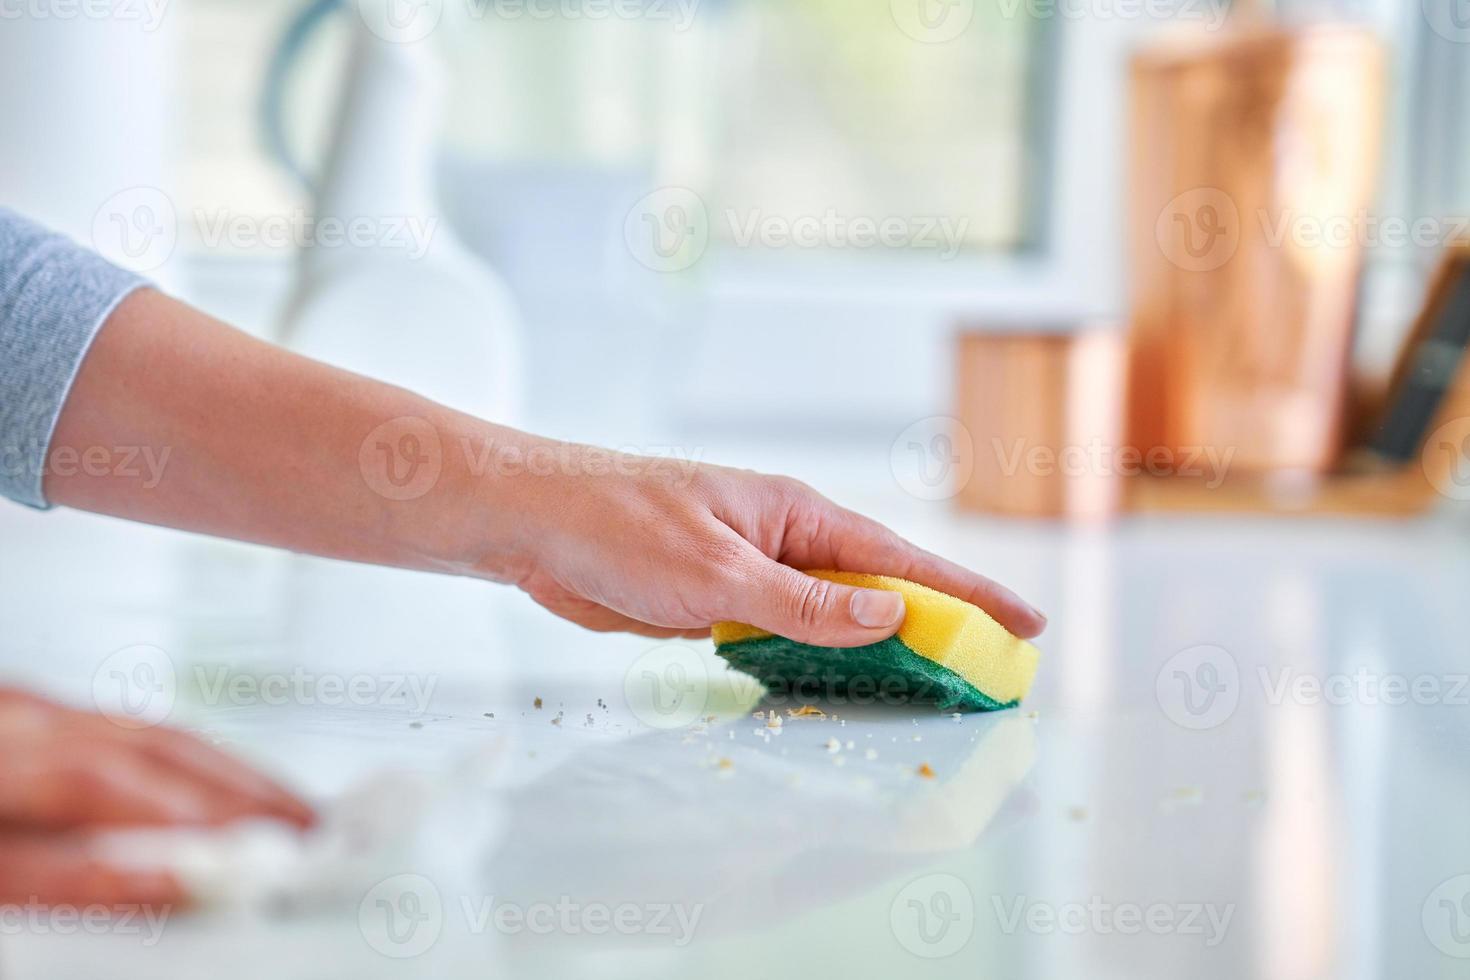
<point>876,609</point>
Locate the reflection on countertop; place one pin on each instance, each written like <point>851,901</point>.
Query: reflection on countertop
<point>1244,757</point>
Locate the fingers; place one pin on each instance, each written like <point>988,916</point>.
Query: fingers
<point>64,772</point>
<point>79,782</point>
<point>601,619</point>
<point>251,792</point>
<point>849,542</point>
<point>788,603</point>
<point>72,769</point>
<point>48,869</point>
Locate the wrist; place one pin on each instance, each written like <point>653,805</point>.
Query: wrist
<point>485,523</point>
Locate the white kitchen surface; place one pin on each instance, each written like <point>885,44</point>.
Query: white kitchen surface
<point>1174,799</point>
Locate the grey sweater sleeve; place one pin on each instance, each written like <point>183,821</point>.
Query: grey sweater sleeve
<point>54,296</point>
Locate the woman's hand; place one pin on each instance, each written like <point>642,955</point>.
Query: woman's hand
<point>263,445</point>
<point>662,550</point>
<point>65,774</point>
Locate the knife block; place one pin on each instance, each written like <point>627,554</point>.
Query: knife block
<point>1394,470</point>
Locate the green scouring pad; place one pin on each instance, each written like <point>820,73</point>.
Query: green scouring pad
<point>948,653</point>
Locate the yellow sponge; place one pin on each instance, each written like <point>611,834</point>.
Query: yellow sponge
<point>947,651</point>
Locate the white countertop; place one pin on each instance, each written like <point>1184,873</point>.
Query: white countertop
<point>1175,798</point>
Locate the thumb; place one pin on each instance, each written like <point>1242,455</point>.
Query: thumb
<point>786,602</point>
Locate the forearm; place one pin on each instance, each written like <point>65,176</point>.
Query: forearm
<point>205,428</point>
<point>230,436</point>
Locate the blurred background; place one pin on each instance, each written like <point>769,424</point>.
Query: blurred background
<point>996,139</point>
<point>1155,310</point>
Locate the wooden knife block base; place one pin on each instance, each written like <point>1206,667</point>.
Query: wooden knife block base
<point>1402,493</point>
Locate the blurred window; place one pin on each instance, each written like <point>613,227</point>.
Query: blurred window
<point>831,106</point>
<point>786,109</point>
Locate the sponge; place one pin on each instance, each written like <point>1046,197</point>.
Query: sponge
<point>947,652</point>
